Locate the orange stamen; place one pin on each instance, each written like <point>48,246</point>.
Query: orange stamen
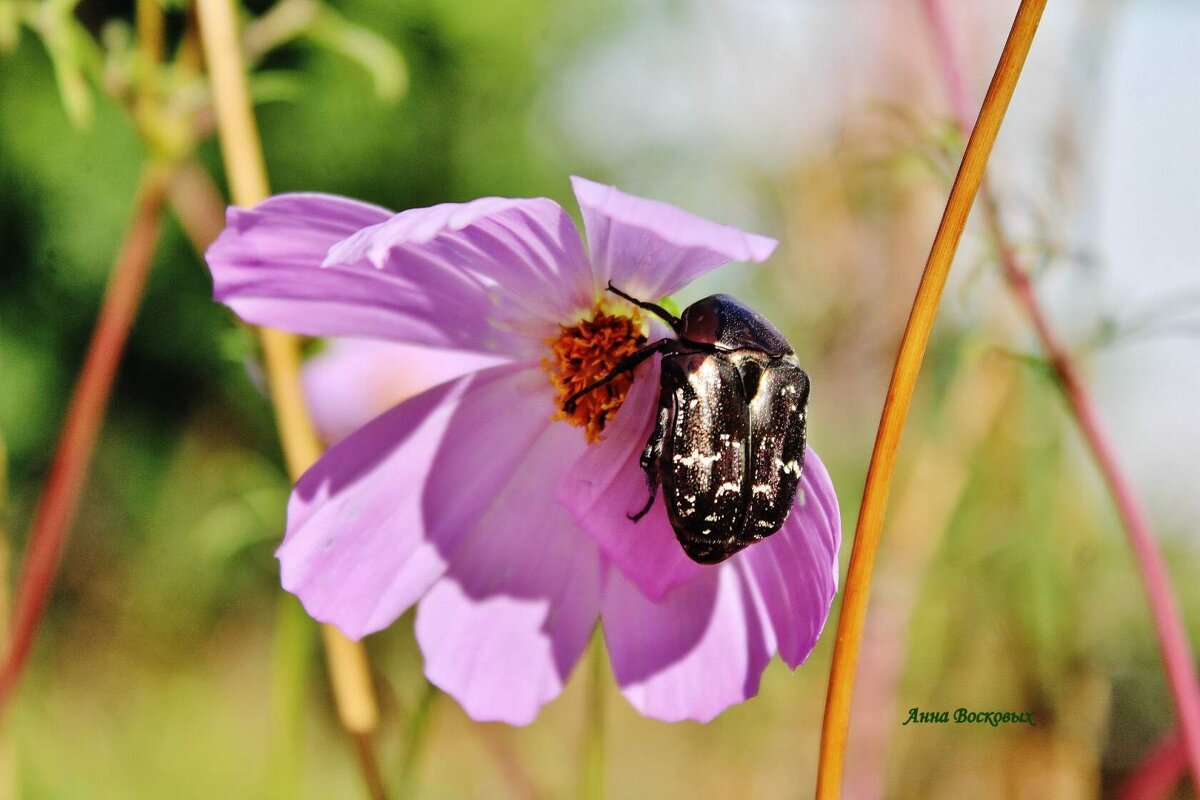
<point>586,352</point>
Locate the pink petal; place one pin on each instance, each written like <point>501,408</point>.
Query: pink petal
<point>795,571</point>
<point>699,651</point>
<point>651,249</point>
<point>607,484</point>
<point>510,259</point>
<point>502,630</point>
<point>267,265</point>
<point>352,381</point>
<point>295,229</point>
<point>376,520</point>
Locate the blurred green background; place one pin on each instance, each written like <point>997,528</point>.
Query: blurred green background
<point>1004,582</point>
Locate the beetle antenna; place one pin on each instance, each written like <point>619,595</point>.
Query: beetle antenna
<point>626,364</point>
<point>653,308</point>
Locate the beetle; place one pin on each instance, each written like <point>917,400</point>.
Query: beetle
<point>729,434</point>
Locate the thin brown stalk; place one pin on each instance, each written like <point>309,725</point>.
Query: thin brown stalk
<point>60,499</point>
<point>241,150</point>
<point>198,205</point>
<point>592,774</point>
<point>201,212</point>
<point>937,480</point>
<point>1159,773</point>
<point>150,51</point>
<point>8,761</point>
<point>899,397</point>
<point>1164,609</point>
<point>415,741</point>
<point>520,782</point>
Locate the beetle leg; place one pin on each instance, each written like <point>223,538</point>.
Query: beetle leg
<point>653,308</point>
<point>650,457</point>
<point>624,365</point>
<point>654,445</point>
<point>646,508</point>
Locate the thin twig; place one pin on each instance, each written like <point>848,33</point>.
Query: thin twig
<point>1168,621</point>
<point>201,212</point>
<point>592,774</point>
<point>508,761</point>
<point>292,647</point>
<point>899,397</point>
<point>60,499</point>
<point>1159,772</point>
<point>9,776</point>
<point>241,151</point>
<point>938,477</point>
<point>150,51</point>
<point>416,736</point>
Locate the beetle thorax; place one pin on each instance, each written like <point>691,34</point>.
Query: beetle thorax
<point>586,352</point>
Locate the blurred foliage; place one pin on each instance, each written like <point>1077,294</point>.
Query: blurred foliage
<point>153,675</point>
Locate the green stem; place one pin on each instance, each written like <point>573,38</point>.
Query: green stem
<point>291,670</point>
<point>417,737</point>
<point>592,774</point>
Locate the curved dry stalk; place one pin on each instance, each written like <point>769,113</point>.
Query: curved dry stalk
<point>59,501</point>
<point>68,473</point>
<point>591,784</point>
<point>899,397</point>
<point>1159,772</point>
<point>979,393</point>
<point>1164,609</point>
<point>8,761</point>
<point>241,152</point>
<point>417,738</point>
<point>200,209</point>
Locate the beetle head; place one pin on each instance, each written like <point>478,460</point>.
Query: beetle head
<point>726,323</point>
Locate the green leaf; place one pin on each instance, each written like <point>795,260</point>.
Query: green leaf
<point>375,54</point>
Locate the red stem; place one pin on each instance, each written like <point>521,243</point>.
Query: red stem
<point>1158,773</point>
<point>60,498</point>
<point>1172,640</point>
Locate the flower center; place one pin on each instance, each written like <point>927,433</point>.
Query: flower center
<point>584,353</point>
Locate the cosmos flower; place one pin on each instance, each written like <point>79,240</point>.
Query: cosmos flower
<point>479,500</point>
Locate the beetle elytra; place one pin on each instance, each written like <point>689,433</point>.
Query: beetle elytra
<point>729,434</point>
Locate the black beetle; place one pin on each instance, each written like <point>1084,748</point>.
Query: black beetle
<point>729,437</point>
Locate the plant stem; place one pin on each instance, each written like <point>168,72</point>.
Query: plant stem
<point>899,397</point>
<point>418,727</point>
<point>592,774</point>
<point>200,209</point>
<point>291,668</point>
<point>1159,772</point>
<point>519,780</point>
<point>241,151</point>
<point>977,396</point>
<point>150,52</point>
<point>1168,621</point>
<point>60,499</point>
<point>8,762</point>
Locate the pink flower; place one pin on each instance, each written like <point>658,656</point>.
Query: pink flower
<point>477,499</point>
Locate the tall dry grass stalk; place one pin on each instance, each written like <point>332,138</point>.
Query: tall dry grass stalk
<point>1173,644</point>
<point>59,500</point>
<point>241,150</point>
<point>899,397</point>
